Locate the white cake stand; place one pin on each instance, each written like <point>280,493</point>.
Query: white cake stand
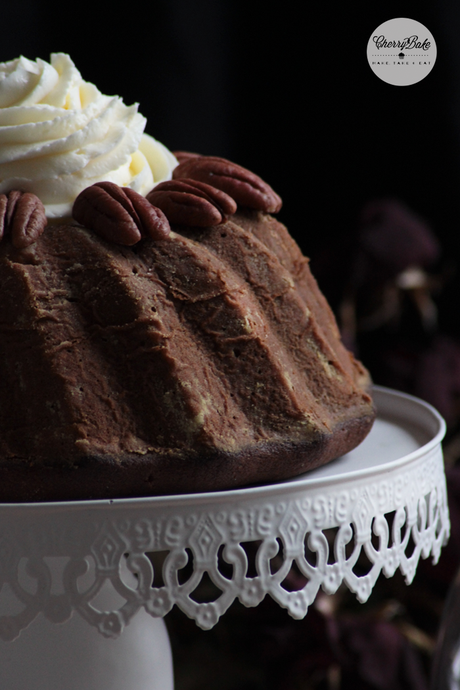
<point>385,501</point>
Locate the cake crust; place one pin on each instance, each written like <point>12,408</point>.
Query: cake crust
<point>107,477</point>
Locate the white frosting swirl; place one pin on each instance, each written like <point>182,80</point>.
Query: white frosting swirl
<point>59,134</point>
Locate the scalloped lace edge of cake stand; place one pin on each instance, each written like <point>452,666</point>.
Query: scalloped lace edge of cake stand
<point>247,551</point>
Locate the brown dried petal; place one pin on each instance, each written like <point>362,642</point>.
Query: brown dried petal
<point>118,214</point>
<point>244,186</point>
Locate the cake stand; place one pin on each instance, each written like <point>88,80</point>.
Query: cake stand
<point>85,584</point>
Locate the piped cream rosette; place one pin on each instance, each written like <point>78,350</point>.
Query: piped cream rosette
<point>59,135</point>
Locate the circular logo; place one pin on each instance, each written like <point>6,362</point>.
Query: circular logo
<point>401,51</point>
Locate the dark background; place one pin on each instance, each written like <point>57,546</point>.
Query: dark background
<point>285,89</point>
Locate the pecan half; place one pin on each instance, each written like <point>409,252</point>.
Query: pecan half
<point>191,202</point>
<point>22,216</point>
<point>185,155</point>
<point>3,210</point>
<point>246,188</point>
<point>119,214</point>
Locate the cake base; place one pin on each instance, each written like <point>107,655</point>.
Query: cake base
<point>102,477</point>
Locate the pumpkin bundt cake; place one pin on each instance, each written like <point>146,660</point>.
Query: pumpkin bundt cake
<point>168,343</point>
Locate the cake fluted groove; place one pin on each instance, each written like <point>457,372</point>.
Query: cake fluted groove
<point>148,352</point>
<point>153,394</point>
<point>315,367</point>
<point>277,239</point>
<point>226,321</point>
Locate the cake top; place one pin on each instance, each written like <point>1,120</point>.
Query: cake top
<point>66,149</point>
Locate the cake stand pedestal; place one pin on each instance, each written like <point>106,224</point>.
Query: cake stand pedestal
<point>74,575</point>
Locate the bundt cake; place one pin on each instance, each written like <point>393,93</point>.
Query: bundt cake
<point>164,344</point>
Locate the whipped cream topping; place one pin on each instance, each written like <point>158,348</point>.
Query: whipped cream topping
<point>60,134</point>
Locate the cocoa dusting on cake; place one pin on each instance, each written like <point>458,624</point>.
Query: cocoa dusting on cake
<point>167,341</point>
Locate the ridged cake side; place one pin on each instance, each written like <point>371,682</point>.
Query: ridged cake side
<point>204,361</point>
